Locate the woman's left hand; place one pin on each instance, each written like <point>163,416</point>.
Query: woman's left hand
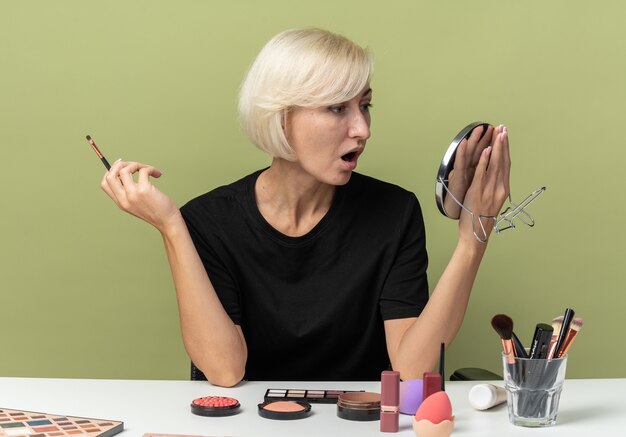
<point>489,188</point>
<point>465,162</point>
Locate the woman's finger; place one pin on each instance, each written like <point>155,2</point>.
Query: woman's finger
<point>115,185</point>
<point>145,173</point>
<point>481,168</point>
<point>460,161</point>
<point>507,163</point>
<point>105,187</point>
<point>482,144</point>
<point>472,143</point>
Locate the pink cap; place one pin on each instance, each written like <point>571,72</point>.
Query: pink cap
<point>389,400</point>
<point>390,388</point>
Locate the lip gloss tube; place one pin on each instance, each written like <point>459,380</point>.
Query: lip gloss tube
<point>389,400</point>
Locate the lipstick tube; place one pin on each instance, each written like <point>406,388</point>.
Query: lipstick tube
<point>389,400</point>
<point>432,383</point>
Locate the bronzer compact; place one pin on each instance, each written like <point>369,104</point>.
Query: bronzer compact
<point>361,406</point>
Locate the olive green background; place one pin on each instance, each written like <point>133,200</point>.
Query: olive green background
<point>85,290</point>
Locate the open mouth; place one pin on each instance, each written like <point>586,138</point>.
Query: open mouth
<point>349,156</point>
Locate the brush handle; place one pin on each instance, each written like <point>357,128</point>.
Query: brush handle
<point>567,321</point>
<point>519,349</point>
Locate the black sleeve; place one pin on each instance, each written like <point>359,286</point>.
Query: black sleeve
<point>205,233</point>
<point>405,292</point>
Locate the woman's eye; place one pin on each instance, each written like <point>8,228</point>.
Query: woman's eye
<point>338,109</point>
<point>366,107</point>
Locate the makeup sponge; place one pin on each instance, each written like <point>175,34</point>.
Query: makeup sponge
<point>434,417</point>
<point>435,408</point>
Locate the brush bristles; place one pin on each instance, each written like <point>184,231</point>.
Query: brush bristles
<point>557,323</point>
<point>503,325</point>
<point>577,324</point>
<point>88,137</point>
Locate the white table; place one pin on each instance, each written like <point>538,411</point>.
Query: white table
<point>588,408</point>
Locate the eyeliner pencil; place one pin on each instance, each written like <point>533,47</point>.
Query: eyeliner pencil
<point>442,353</point>
<point>92,143</point>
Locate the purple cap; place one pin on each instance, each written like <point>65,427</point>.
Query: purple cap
<point>411,392</point>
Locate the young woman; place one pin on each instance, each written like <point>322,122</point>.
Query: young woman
<point>307,270</point>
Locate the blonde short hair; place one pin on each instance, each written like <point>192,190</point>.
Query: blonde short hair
<point>298,68</point>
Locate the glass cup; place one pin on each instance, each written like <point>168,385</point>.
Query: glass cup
<point>533,388</point>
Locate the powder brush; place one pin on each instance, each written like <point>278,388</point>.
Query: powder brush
<point>572,332</point>
<point>503,325</point>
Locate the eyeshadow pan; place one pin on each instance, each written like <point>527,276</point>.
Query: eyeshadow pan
<point>39,422</point>
<point>46,428</point>
<point>17,431</point>
<point>12,425</point>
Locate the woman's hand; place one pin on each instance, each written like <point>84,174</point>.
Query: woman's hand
<point>141,198</point>
<point>466,159</point>
<point>489,187</point>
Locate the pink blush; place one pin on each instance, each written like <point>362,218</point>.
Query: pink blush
<point>284,407</point>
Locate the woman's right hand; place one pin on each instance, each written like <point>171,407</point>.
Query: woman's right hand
<point>141,198</point>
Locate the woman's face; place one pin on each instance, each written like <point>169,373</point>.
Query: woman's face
<point>329,140</point>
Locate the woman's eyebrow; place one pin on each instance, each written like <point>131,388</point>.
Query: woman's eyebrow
<point>367,91</point>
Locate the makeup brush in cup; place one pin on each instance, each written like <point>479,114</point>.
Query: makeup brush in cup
<point>567,321</point>
<point>503,325</point>
<point>557,322</point>
<point>519,349</point>
<point>573,331</point>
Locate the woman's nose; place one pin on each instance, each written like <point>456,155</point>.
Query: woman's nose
<point>360,126</point>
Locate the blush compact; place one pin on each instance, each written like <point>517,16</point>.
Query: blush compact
<point>284,410</point>
<point>215,406</point>
<point>361,406</point>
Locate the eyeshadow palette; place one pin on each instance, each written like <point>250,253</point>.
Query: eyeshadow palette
<point>18,423</point>
<point>311,396</point>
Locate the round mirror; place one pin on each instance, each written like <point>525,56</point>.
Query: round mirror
<point>452,184</point>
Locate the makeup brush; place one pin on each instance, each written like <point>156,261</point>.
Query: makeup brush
<point>92,143</point>
<point>503,325</point>
<point>567,320</point>
<point>541,341</point>
<point>573,331</point>
<point>556,326</point>
<point>519,349</point>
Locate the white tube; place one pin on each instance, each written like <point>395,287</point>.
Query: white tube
<point>485,396</point>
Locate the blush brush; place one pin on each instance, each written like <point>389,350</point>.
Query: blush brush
<point>503,325</point>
